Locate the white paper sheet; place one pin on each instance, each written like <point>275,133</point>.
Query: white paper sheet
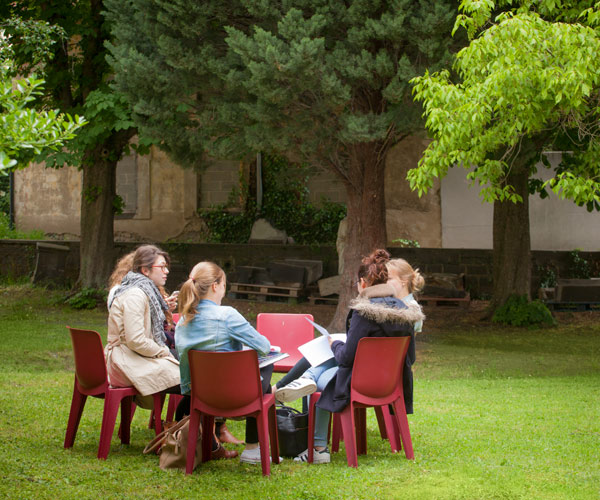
<point>317,351</point>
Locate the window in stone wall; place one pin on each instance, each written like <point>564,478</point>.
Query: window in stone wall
<point>127,185</point>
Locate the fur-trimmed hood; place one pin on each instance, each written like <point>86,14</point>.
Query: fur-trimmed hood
<point>378,304</point>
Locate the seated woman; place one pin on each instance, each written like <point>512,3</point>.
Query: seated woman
<point>136,353</point>
<point>123,266</point>
<point>206,325</point>
<point>377,312</point>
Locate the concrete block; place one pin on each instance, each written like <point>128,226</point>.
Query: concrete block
<point>285,274</point>
<point>314,268</point>
<point>330,286</point>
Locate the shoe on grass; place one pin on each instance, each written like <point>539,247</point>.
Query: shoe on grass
<point>252,456</point>
<point>319,457</point>
<point>296,389</point>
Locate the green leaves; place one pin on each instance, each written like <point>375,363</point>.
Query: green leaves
<point>523,77</point>
<point>24,131</point>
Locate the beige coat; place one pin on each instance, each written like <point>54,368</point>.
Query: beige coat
<point>132,355</point>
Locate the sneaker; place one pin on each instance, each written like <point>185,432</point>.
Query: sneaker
<point>252,456</point>
<point>296,389</point>
<point>319,457</point>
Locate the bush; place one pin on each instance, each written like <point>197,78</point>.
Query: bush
<point>12,234</point>
<point>578,266</point>
<point>285,205</point>
<point>88,298</point>
<point>518,311</point>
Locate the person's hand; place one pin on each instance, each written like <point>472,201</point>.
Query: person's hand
<point>331,340</point>
<point>171,301</point>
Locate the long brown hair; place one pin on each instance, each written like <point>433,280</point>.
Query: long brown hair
<point>145,256</point>
<point>123,266</point>
<point>202,276</point>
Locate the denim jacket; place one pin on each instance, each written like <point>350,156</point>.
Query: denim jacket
<point>215,328</point>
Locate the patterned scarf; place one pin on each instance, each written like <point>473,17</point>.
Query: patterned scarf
<point>158,306</point>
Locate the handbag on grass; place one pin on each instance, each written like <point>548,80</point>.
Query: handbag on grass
<point>172,446</point>
<point>292,431</point>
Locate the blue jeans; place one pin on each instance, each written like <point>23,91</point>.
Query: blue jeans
<point>321,375</point>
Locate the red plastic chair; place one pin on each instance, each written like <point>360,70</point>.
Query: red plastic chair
<point>227,384</point>
<point>287,331</point>
<point>376,382</point>
<point>91,380</point>
<point>336,432</point>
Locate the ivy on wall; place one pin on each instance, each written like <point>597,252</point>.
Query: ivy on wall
<point>286,205</point>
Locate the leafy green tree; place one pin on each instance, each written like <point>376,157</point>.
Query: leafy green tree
<point>528,82</point>
<point>24,130</point>
<point>77,82</point>
<point>322,82</point>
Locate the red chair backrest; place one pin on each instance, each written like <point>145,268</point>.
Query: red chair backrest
<point>226,380</point>
<point>90,365</point>
<point>287,331</point>
<point>378,364</point>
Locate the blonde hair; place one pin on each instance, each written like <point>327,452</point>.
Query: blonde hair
<point>123,266</point>
<point>402,270</point>
<point>202,276</point>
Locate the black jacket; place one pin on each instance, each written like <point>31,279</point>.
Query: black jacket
<point>374,313</point>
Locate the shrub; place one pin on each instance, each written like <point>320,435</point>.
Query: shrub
<point>6,233</point>
<point>87,298</point>
<point>285,205</point>
<point>579,267</point>
<point>518,311</point>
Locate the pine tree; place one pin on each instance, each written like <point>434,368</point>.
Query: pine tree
<point>318,81</point>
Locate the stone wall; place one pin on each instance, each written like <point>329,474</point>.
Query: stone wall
<point>19,258</point>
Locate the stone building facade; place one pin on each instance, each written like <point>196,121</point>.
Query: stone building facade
<point>161,201</point>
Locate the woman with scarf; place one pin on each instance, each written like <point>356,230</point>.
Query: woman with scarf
<point>384,308</point>
<point>136,350</point>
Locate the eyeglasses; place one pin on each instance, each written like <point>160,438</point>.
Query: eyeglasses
<point>163,267</point>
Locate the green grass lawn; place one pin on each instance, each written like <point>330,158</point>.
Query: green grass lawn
<point>499,414</point>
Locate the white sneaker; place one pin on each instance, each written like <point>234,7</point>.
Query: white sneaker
<point>252,456</point>
<point>319,457</point>
<point>296,389</point>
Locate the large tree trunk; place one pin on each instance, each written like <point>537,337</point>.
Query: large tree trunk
<point>366,229</point>
<point>97,228</point>
<point>512,244</point>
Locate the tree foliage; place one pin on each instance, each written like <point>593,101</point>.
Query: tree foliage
<point>524,76</point>
<point>26,131</point>
<point>77,82</point>
<point>322,82</point>
<point>528,82</point>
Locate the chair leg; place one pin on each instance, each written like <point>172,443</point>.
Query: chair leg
<point>159,401</point>
<point>381,422</point>
<point>336,433</point>
<point>125,427</point>
<point>348,425</point>
<point>391,424</point>
<point>192,438</point>
<point>361,430</point>
<point>311,424</point>
<point>174,400</point>
<point>263,432</point>
<point>112,400</point>
<point>273,438</point>
<point>400,414</point>
<point>77,405</point>
<point>208,423</point>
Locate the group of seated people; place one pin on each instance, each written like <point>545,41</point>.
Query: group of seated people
<point>146,350</point>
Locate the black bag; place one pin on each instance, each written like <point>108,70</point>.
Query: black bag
<point>292,431</point>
